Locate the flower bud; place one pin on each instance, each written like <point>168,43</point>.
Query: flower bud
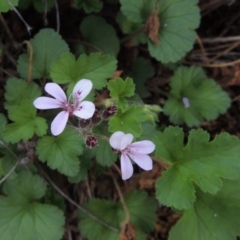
<point>109,112</point>
<point>91,141</point>
<point>96,118</point>
<point>83,123</point>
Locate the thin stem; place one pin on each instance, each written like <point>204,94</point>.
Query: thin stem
<point>20,16</point>
<point>127,214</point>
<point>10,172</point>
<point>29,79</point>
<point>75,204</point>
<point>130,36</point>
<point>157,90</point>
<point>15,165</point>
<point>221,39</point>
<point>5,26</point>
<point>57,15</point>
<point>214,65</point>
<point>164,164</point>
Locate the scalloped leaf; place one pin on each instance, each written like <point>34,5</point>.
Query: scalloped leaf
<point>120,89</point>
<point>89,6</point>
<point>47,46</point>
<point>128,121</point>
<point>137,11</point>
<point>24,218</point>
<point>3,123</point>
<point>18,90</point>
<point>61,152</point>
<point>141,71</point>
<point>212,217</point>
<point>112,213</point>
<point>109,44</point>
<point>201,161</point>
<point>178,21</point>
<point>39,6</point>
<point>205,97</point>
<point>25,124</point>
<point>5,7</point>
<point>95,67</point>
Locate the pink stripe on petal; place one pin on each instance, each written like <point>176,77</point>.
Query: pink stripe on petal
<point>126,167</point>
<point>82,89</point>
<point>143,147</point>
<point>85,110</point>
<point>46,103</point>
<point>142,160</point>
<point>126,140</point>
<point>56,91</point>
<point>59,123</point>
<point>115,139</point>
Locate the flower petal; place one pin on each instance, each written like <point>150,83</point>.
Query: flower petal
<point>56,91</point>
<point>115,139</point>
<point>143,147</point>
<point>46,103</point>
<point>126,167</point>
<point>85,110</point>
<point>142,160</point>
<point>82,89</point>
<point>59,123</point>
<point>126,140</point>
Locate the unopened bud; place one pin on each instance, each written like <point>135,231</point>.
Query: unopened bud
<point>109,112</point>
<point>96,118</point>
<point>91,141</point>
<point>83,123</point>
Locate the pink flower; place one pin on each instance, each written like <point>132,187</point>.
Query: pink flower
<point>80,109</point>
<point>137,151</point>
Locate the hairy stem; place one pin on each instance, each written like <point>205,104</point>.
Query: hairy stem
<point>74,203</point>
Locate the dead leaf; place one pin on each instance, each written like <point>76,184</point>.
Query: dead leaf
<point>128,231</point>
<point>117,74</point>
<point>149,178</point>
<point>152,25</point>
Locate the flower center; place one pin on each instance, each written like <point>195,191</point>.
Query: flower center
<point>71,107</point>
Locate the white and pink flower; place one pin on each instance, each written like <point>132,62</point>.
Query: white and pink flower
<point>122,143</point>
<point>79,108</point>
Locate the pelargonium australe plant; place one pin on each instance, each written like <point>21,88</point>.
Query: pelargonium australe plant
<point>103,129</point>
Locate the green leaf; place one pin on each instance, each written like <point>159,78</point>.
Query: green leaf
<point>3,123</point>
<point>89,6</point>
<point>137,11</point>
<point>143,218</point>
<point>25,187</point>
<point>142,69</point>
<point>104,153</point>
<point>40,6</point>
<point>148,131</point>
<point>126,25</point>
<point>22,217</point>
<point>18,90</point>
<point>206,98</point>
<point>26,124</point>
<point>128,121</point>
<point>47,46</point>
<point>120,89</point>
<point>97,38</point>
<point>85,165</point>
<point>112,213</point>
<point>178,20</point>
<point>95,67</point>
<point>212,217</point>
<point>5,7</point>
<point>201,162</point>
<point>61,152</point>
